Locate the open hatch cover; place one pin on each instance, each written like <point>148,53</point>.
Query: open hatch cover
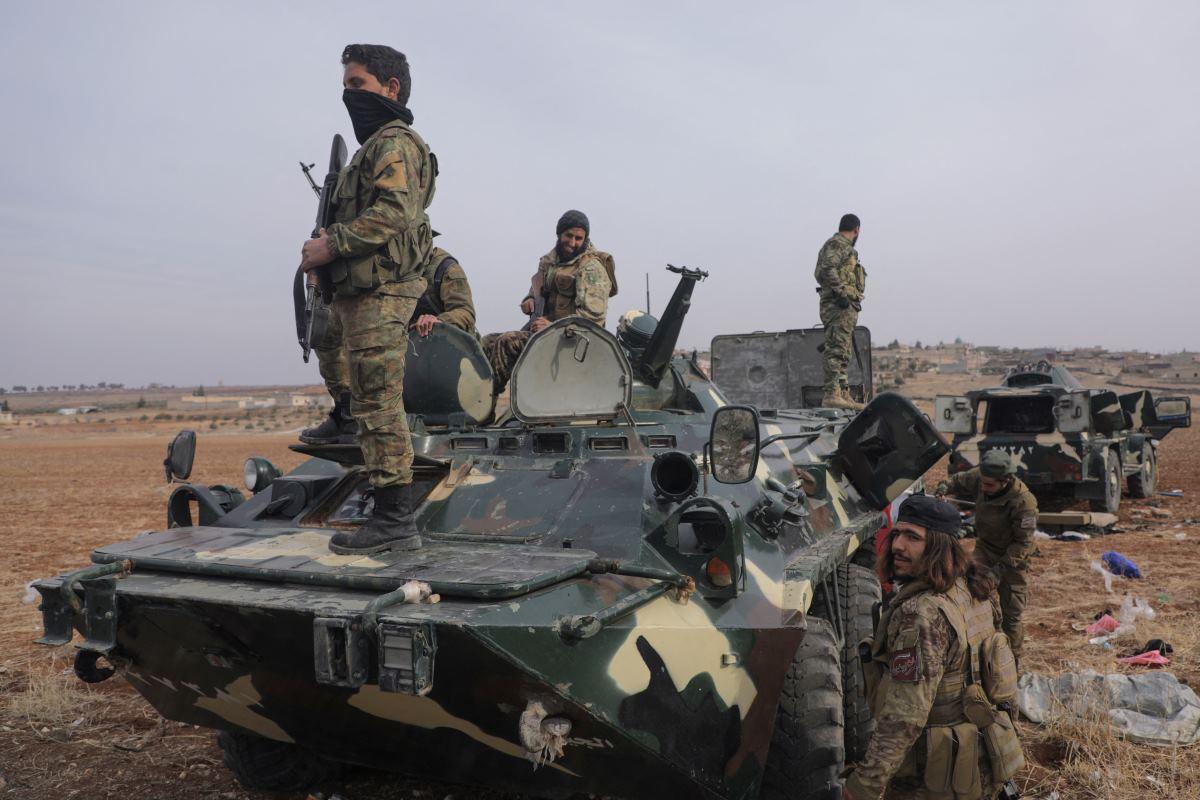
<point>572,370</point>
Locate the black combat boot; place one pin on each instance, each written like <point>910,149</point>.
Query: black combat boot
<point>338,428</point>
<point>391,526</point>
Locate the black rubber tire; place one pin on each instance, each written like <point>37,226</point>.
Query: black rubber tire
<point>860,593</point>
<point>1111,500</point>
<point>260,763</point>
<point>807,751</point>
<point>1145,482</point>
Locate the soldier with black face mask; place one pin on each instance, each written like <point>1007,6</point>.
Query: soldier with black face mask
<point>375,253</point>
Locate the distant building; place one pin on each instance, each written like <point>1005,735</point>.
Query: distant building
<point>7,418</point>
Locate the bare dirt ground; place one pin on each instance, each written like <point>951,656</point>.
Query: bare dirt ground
<point>66,488</point>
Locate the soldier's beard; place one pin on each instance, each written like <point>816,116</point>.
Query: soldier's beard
<point>566,252</point>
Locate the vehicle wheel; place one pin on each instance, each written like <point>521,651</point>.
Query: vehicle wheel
<point>1112,486</point>
<point>860,593</point>
<point>260,763</point>
<point>807,752</point>
<point>1145,482</point>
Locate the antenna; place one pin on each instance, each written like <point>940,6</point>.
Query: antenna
<point>647,292</point>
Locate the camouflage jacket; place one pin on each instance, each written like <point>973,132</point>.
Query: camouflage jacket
<point>580,287</point>
<point>921,660</point>
<point>450,301</point>
<point>382,234</point>
<point>1004,524</point>
<point>839,272</point>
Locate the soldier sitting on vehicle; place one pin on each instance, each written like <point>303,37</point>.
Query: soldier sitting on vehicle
<point>1005,520</point>
<point>573,279</point>
<point>939,678</point>
<point>447,299</point>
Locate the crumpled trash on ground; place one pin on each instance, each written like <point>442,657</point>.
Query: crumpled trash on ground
<point>1104,573</point>
<point>1118,564</point>
<point>1152,658</point>
<point>1148,708</point>
<point>1134,608</point>
<point>31,594</point>
<point>1106,624</point>
<point>1073,536</point>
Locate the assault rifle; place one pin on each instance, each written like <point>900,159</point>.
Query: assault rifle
<point>312,293</point>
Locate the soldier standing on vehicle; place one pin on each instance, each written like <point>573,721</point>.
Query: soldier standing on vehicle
<point>1005,520</point>
<point>375,253</point>
<point>447,300</point>
<point>841,281</point>
<point>573,279</point>
<point>922,670</point>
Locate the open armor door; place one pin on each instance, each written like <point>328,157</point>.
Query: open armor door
<point>953,415</point>
<point>446,376</point>
<point>785,369</point>
<point>887,447</point>
<point>1171,413</point>
<point>572,370</point>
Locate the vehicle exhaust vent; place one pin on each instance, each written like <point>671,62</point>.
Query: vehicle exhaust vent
<point>661,442</point>
<point>608,443</point>
<point>509,444</point>
<point>551,442</point>
<point>469,443</point>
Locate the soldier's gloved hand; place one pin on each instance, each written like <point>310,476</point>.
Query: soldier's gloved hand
<point>424,324</point>
<point>843,301</point>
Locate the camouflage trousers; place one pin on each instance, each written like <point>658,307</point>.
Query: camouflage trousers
<point>374,328</point>
<point>331,359</point>
<point>502,351</point>
<point>839,329</point>
<point>1014,594</point>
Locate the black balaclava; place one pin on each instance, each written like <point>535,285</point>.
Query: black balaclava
<point>370,111</point>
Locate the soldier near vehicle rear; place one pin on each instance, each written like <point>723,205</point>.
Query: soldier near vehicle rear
<point>841,282</point>
<point>939,677</point>
<point>1005,520</point>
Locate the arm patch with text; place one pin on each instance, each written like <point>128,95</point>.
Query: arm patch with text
<point>906,665</point>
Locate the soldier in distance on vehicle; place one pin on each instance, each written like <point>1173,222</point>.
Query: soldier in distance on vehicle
<point>841,281</point>
<point>573,279</point>
<point>447,299</point>
<point>375,254</point>
<point>1005,520</point>
<point>937,672</point>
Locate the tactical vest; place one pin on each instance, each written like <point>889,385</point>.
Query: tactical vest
<point>971,706</point>
<point>559,285</point>
<point>850,273</point>
<point>402,256</point>
<point>431,302</point>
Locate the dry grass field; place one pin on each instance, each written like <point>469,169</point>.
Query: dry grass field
<point>68,487</point>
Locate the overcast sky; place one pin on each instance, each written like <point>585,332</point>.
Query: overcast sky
<point>1026,172</point>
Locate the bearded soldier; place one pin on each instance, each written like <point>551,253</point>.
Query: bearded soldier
<point>940,679</point>
<point>841,281</point>
<point>1005,520</point>
<point>375,253</point>
<point>574,279</point>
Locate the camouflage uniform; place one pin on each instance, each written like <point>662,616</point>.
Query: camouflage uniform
<point>381,241</point>
<point>915,685</point>
<point>579,287</point>
<point>1004,527</point>
<point>839,276</point>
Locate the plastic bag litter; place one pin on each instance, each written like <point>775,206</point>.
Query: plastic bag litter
<point>1132,609</point>
<point>1073,536</point>
<point>1108,576</point>
<point>1106,624</point>
<point>1041,535</point>
<point>1118,564</point>
<point>1181,536</point>
<point>1149,708</point>
<point>1151,659</point>
<point>31,594</point>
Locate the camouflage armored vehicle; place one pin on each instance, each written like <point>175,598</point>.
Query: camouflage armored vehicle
<point>1069,442</point>
<point>627,586</point>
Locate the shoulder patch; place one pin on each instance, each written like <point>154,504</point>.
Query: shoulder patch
<point>1029,521</point>
<point>906,665</point>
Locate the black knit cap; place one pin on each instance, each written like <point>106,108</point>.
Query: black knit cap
<point>931,514</point>
<point>573,219</point>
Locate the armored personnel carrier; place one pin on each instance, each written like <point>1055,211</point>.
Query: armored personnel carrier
<point>628,586</point>
<point>1068,442</point>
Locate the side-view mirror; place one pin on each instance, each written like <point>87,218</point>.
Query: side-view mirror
<point>734,443</point>
<point>181,452</point>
